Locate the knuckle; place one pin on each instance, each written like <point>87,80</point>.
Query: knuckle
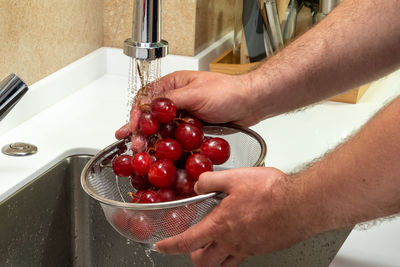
<point>183,245</point>
<point>217,226</point>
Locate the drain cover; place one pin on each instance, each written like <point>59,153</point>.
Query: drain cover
<point>19,149</point>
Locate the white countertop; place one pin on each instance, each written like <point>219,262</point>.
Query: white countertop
<point>77,110</point>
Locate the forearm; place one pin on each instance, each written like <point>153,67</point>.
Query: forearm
<point>359,180</point>
<point>357,43</point>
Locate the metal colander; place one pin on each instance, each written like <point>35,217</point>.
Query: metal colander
<point>149,223</point>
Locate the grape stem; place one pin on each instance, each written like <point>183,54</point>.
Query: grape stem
<point>105,166</point>
<point>143,89</point>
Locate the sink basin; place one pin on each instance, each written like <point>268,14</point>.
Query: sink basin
<point>52,222</point>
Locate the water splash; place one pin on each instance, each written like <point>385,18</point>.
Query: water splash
<point>141,74</point>
<point>148,252</point>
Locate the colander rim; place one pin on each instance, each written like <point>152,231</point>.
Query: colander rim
<point>169,204</point>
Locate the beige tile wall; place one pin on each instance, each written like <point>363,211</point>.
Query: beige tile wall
<point>178,25</point>
<point>38,37</point>
<point>214,19</point>
<point>188,25</point>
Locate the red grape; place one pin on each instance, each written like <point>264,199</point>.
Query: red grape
<point>122,165</point>
<point>170,143</point>
<point>141,226</point>
<point>167,130</point>
<point>140,182</point>
<point>193,120</point>
<point>168,149</point>
<point>140,163</point>
<point>196,164</point>
<point>166,194</point>
<point>216,149</point>
<point>162,173</point>
<point>189,136</point>
<point>120,219</point>
<point>183,185</point>
<point>163,109</point>
<point>181,162</point>
<point>149,196</point>
<point>177,220</point>
<point>148,125</point>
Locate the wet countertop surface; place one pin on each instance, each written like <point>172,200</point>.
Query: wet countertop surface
<point>84,120</point>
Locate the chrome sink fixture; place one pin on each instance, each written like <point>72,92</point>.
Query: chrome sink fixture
<point>145,48</point>
<point>12,88</point>
<point>146,43</point>
<point>53,222</point>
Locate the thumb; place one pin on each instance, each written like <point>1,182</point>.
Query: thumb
<point>216,181</point>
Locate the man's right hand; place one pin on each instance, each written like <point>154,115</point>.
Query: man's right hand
<point>212,97</point>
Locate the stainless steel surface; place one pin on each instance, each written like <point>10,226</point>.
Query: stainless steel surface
<point>146,42</point>
<point>326,6</point>
<point>12,88</point>
<point>145,51</point>
<point>146,23</point>
<point>98,180</point>
<point>289,29</point>
<point>52,222</point>
<point>19,149</point>
<point>273,25</point>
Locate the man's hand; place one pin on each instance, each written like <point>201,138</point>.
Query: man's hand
<point>259,215</point>
<point>212,97</point>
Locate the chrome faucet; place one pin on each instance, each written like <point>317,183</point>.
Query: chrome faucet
<point>146,43</point>
<point>12,88</point>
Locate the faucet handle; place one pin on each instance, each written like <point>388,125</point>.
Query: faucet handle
<point>12,88</point>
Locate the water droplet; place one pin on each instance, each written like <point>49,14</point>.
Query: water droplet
<point>148,252</point>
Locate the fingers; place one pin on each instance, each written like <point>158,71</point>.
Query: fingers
<point>139,143</point>
<point>195,237</point>
<point>217,181</point>
<point>183,97</point>
<point>131,126</point>
<point>212,255</point>
<point>134,118</point>
<point>175,86</point>
<point>176,80</point>
<point>123,132</point>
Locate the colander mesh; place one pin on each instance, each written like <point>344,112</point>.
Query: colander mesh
<point>159,222</point>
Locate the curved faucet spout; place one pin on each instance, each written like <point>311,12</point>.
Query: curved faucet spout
<point>12,88</point>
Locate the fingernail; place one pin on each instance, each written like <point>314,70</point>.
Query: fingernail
<point>195,188</point>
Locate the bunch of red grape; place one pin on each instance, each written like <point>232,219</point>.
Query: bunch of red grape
<point>177,153</point>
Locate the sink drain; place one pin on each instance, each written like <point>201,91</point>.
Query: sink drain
<point>19,149</point>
